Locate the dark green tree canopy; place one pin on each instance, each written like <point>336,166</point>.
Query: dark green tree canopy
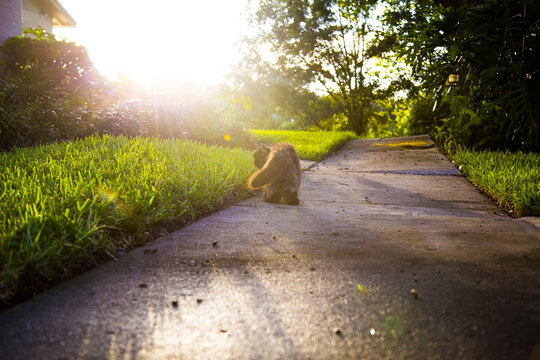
<point>320,45</point>
<point>493,46</point>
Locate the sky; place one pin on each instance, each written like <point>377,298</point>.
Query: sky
<point>194,41</point>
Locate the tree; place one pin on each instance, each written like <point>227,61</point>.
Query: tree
<point>493,46</point>
<point>278,101</point>
<point>321,46</point>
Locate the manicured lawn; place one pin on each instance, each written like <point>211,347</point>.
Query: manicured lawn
<point>310,145</point>
<point>511,179</point>
<point>65,207</point>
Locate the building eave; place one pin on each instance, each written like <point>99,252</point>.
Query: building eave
<point>59,15</point>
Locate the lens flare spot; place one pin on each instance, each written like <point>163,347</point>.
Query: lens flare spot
<point>393,326</point>
<point>361,289</point>
<point>106,194</point>
<point>243,100</point>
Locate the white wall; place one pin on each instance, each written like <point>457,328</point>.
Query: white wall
<point>32,16</point>
<point>10,19</point>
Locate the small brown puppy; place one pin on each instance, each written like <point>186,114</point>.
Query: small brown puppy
<point>279,173</point>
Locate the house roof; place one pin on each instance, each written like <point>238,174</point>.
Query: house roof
<point>60,16</point>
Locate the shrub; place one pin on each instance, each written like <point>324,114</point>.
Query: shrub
<point>50,91</point>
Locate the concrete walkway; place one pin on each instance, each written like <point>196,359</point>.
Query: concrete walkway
<point>391,254</point>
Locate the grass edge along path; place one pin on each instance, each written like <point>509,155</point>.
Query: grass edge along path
<point>511,179</point>
<point>310,145</point>
<point>66,207</point>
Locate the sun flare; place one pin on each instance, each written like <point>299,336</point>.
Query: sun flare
<point>163,40</point>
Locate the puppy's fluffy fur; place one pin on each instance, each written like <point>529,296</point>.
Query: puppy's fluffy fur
<point>279,173</point>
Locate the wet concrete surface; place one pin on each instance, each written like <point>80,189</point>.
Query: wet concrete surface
<point>390,255</point>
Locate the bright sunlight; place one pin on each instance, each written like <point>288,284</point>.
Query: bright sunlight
<point>189,41</point>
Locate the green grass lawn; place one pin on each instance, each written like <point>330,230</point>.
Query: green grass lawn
<point>310,145</point>
<point>511,179</point>
<point>65,207</point>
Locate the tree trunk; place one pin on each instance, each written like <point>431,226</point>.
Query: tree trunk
<point>357,121</point>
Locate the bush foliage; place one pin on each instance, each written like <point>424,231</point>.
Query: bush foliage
<point>50,91</point>
<point>493,46</point>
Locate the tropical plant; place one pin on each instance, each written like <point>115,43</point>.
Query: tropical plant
<point>493,47</point>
